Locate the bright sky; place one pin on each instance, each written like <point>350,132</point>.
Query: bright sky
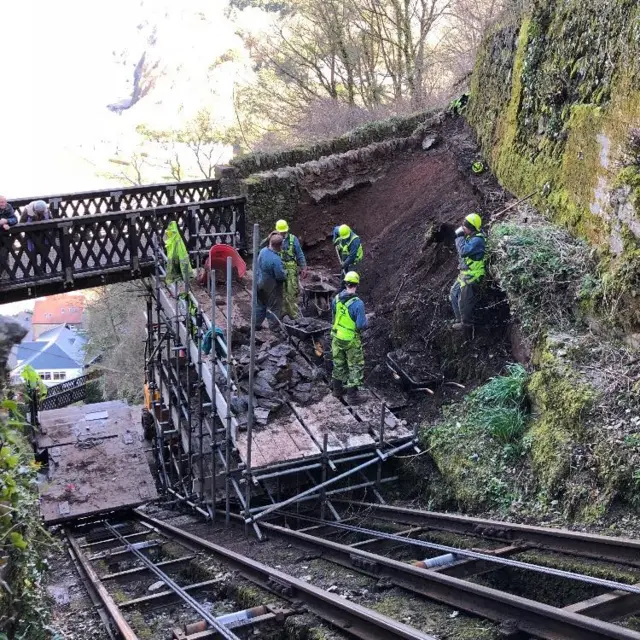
<point>62,62</point>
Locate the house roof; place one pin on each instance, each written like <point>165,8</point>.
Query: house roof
<point>57,348</point>
<point>50,358</point>
<point>60,309</point>
<point>70,341</point>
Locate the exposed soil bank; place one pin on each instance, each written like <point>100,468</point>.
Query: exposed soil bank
<point>406,220</point>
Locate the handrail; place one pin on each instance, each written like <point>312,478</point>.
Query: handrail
<point>125,198</point>
<point>52,256</point>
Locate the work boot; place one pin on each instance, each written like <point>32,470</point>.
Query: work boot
<point>353,396</point>
<point>337,388</point>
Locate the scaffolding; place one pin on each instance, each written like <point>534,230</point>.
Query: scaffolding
<point>203,458</point>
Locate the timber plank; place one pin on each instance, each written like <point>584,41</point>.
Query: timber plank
<point>98,474</point>
<point>330,416</point>
<point>369,411</point>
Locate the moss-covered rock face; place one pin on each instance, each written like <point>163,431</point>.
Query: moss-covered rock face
<point>560,403</point>
<point>556,105</point>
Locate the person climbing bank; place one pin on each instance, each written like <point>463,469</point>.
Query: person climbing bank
<point>471,247</point>
<point>348,246</point>
<point>349,319</point>
<point>294,262</point>
<point>271,277</point>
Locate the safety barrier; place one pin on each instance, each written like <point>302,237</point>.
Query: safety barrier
<point>126,198</point>
<point>54,256</point>
<point>66,393</point>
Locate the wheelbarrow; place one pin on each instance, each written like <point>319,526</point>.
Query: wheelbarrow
<point>407,381</point>
<point>312,333</point>
<point>217,259</point>
<point>318,295</point>
<point>312,329</point>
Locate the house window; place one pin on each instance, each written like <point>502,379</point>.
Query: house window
<point>47,315</point>
<point>45,375</point>
<point>59,375</point>
<point>62,310</point>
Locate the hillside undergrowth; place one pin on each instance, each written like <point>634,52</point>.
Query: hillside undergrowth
<point>560,439</point>
<point>24,610</point>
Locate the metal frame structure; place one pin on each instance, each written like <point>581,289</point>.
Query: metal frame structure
<point>196,430</point>
<point>53,256</point>
<point>66,393</point>
<point>145,196</point>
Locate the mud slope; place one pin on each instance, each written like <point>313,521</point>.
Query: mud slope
<point>406,220</point>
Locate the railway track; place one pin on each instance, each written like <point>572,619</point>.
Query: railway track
<point>447,581</point>
<point>151,554</point>
<point>451,579</point>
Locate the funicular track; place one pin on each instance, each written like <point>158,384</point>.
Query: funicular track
<point>450,583</point>
<point>132,540</point>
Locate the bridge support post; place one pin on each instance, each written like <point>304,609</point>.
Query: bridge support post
<point>65,232</point>
<point>133,243</point>
<point>115,196</point>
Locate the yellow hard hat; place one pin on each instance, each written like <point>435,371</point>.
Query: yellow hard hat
<point>282,226</point>
<point>344,231</point>
<point>352,277</point>
<point>474,220</point>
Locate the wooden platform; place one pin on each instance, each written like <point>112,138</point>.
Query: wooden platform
<point>300,434</point>
<point>97,461</point>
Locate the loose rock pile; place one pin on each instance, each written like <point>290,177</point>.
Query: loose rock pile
<point>281,374</point>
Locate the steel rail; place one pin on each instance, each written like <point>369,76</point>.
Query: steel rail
<point>177,589</point>
<point>124,630</point>
<point>475,555</point>
<point>357,620</point>
<point>621,550</point>
<point>531,617</point>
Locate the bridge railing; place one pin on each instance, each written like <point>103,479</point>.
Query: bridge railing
<point>52,256</point>
<point>66,393</point>
<point>126,198</point>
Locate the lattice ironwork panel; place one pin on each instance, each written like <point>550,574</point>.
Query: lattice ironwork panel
<point>66,250</point>
<point>99,244</point>
<point>126,198</point>
<point>198,193</point>
<point>67,385</point>
<point>83,207</point>
<point>64,399</point>
<point>147,200</point>
<point>31,254</point>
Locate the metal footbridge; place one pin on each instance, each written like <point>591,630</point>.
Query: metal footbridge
<point>103,237</point>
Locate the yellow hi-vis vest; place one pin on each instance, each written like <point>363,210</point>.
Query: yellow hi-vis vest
<point>475,268</point>
<point>289,254</point>
<point>344,247</point>
<point>344,327</point>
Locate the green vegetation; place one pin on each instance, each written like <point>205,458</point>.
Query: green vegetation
<point>386,129</point>
<point>560,402</point>
<point>556,108</point>
<point>480,441</point>
<point>24,611</point>
<point>543,272</point>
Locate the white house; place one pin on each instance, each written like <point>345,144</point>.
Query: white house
<point>57,355</point>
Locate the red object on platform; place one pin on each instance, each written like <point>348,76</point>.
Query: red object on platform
<point>217,259</point>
